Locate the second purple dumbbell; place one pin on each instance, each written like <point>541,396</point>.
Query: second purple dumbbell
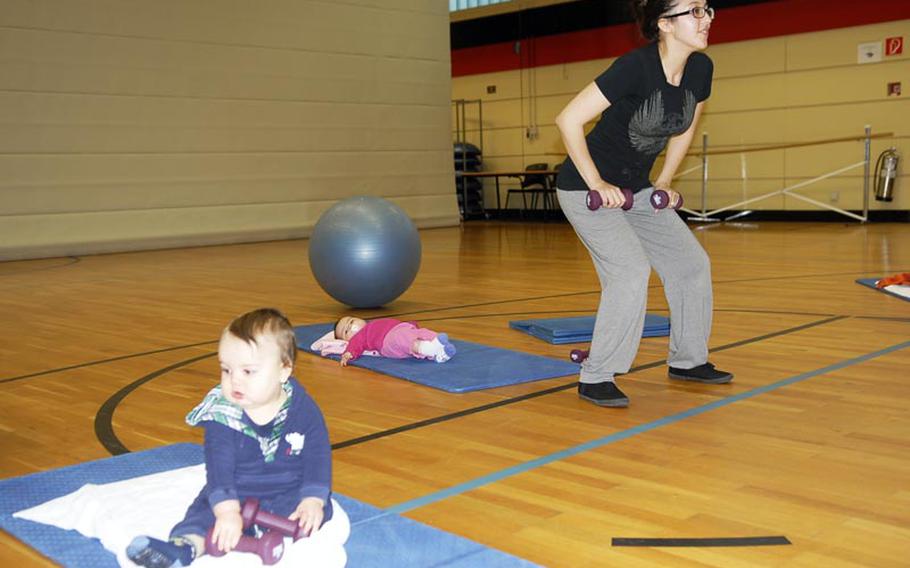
<point>578,355</point>
<point>594,201</point>
<point>660,199</point>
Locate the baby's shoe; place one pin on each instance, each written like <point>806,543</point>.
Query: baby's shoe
<point>153,553</point>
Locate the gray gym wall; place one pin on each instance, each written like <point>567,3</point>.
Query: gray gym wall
<point>162,123</point>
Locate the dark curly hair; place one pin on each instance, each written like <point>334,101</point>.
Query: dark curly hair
<point>647,13</point>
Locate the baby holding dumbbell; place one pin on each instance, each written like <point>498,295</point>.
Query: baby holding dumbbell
<point>265,439</point>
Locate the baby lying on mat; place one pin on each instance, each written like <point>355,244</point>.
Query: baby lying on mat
<point>388,337</point>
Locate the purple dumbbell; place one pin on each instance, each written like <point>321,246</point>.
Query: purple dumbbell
<point>253,515</point>
<point>269,547</point>
<point>594,201</point>
<point>660,199</point>
<point>578,355</point>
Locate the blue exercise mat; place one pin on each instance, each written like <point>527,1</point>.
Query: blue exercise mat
<point>560,331</point>
<point>378,539</point>
<point>474,366</point>
<point>870,283</point>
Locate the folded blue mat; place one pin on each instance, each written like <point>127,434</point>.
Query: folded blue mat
<point>474,366</point>
<point>378,539</point>
<point>870,283</point>
<point>559,331</point>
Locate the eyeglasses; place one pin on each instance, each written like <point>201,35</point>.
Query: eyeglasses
<point>698,12</point>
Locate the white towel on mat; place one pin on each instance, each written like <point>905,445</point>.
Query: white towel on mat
<point>150,505</point>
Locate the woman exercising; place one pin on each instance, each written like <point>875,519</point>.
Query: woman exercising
<point>648,99</point>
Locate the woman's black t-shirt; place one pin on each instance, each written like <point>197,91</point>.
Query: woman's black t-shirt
<point>644,112</point>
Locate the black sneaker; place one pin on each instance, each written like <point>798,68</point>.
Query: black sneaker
<point>702,374</point>
<point>603,394</point>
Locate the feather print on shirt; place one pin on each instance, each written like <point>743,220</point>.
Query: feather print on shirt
<point>649,128</point>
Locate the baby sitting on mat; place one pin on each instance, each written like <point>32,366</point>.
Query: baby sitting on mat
<point>256,421</point>
<point>391,338</point>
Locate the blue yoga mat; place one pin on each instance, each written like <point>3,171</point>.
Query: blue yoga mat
<point>870,283</point>
<point>377,539</point>
<point>560,331</point>
<point>474,366</point>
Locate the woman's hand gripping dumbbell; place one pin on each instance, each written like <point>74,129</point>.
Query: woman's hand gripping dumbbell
<point>595,201</point>
<point>578,355</point>
<point>660,199</point>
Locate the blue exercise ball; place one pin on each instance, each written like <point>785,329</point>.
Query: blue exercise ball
<point>364,251</point>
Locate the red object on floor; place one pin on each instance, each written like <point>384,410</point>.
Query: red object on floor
<point>902,278</point>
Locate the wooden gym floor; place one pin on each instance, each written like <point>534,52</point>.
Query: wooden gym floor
<point>107,354</point>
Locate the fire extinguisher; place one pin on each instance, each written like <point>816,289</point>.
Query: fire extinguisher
<point>886,174</point>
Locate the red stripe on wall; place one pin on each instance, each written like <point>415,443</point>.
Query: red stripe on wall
<point>756,21</point>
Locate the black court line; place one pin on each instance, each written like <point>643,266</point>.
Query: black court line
<point>104,430</point>
<point>187,346</point>
<point>591,292</point>
<point>650,310</point>
<point>589,312</point>
<point>443,318</point>
<point>101,361</point>
<point>703,542</point>
<point>72,260</point>
<point>104,418</point>
<point>799,276</point>
<point>657,285</point>
<point>884,318</point>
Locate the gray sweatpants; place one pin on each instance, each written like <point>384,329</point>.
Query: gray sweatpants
<point>624,246</point>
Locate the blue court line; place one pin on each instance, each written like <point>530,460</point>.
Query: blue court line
<point>622,435</point>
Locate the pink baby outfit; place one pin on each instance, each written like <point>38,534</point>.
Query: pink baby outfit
<point>391,337</point>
